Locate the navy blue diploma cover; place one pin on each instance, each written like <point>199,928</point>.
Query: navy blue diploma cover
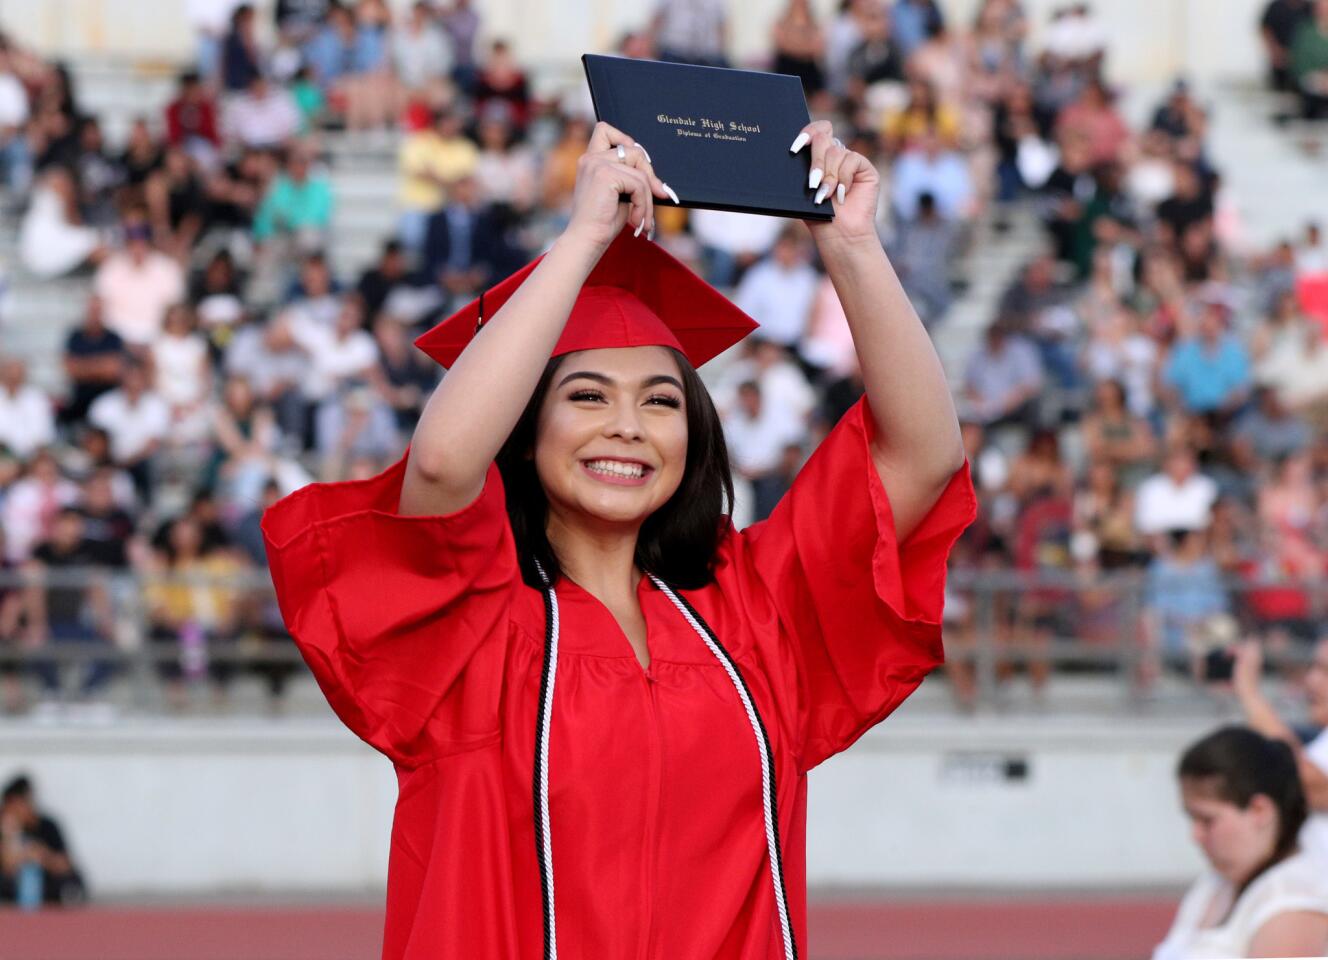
<point>720,138</point>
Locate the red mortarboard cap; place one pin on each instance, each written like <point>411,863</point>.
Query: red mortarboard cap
<point>637,296</point>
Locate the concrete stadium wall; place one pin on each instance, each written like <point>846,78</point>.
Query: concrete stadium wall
<point>208,807</point>
<point>1152,39</point>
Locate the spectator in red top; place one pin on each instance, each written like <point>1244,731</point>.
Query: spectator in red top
<point>191,120</point>
<point>502,78</point>
<point>1279,605</point>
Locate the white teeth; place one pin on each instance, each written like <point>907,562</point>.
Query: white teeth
<point>632,471</point>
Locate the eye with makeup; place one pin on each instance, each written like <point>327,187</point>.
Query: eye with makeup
<point>660,399</point>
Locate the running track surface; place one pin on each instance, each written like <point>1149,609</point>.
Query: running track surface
<point>987,928</point>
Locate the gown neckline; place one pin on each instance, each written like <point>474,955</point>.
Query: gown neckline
<point>621,641</point>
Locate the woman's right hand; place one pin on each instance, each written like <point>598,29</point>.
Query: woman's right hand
<point>597,214</point>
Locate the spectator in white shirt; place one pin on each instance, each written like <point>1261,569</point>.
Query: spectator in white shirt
<point>27,421</point>
<point>764,447</point>
<point>338,356</point>
<point>421,51</point>
<point>15,154</point>
<point>1178,498</point>
<point>265,116</point>
<point>1299,373</point>
<point>1312,255</point>
<point>778,291</point>
<point>137,284</point>
<point>1118,350</point>
<point>1003,379</point>
<point>784,387</point>
<point>52,237</point>
<point>269,358</point>
<point>182,375</point>
<point>318,300</point>
<point>137,422</point>
<point>731,242</point>
<point>30,507</point>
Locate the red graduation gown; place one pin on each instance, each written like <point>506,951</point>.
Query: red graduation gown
<point>429,646</point>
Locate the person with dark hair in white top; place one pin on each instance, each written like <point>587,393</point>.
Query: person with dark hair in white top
<point>1261,896</point>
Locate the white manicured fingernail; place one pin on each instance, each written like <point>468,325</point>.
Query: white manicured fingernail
<point>814,180</point>
<point>839,192</point>
<point>650,234</point>
<point>639,226</point>
<point>821,194</point>
<point>672,196</point>
<point>802,140</point>
<point>647,153</point>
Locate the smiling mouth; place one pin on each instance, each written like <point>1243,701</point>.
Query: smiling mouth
<point>617,469</point>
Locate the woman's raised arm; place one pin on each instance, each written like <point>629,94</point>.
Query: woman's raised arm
<point>477,404</point>
<point>918,446</point>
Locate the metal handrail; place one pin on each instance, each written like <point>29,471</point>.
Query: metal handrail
<point>987,635</point>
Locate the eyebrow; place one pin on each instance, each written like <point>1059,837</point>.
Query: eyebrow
<point>610,382</point>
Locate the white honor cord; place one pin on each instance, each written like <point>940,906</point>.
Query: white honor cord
<point>768,804</point>
<point>542,768</point>
<point>545,834</point>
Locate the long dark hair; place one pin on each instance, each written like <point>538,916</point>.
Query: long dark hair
<point>679,541</point>
<point>1240,763</point>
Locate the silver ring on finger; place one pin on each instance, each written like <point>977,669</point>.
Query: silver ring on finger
<point>622,153</point>
<point>837,142</point>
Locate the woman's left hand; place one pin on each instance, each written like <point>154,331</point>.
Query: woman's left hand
<point>846,179</point>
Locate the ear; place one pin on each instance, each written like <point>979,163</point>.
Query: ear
<point>1263,806</point>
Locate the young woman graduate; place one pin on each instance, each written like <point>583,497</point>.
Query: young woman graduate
<point>601,700</point>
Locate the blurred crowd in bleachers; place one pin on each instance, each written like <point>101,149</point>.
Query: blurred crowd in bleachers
<point>1150,393</point>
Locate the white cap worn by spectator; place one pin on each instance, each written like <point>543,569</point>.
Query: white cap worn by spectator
<point>1075,34</point>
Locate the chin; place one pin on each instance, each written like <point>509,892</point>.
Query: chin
<point>622,511</point>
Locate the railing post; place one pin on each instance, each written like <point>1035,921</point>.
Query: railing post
<point>133,620</point>
<point>1130,658</point>
<point>984,595</point>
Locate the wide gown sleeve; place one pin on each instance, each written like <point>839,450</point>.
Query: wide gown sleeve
<point>859,613</point>
<point>402,619</point>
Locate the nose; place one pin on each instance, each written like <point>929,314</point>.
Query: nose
<point>624,421</point>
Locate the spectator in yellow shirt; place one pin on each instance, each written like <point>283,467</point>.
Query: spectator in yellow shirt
<point>192,603</point>
<point>922,115</point>
<point>429,162</point>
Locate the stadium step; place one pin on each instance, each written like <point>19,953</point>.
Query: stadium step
<point>1276,183</point>
<point>992,263</point>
